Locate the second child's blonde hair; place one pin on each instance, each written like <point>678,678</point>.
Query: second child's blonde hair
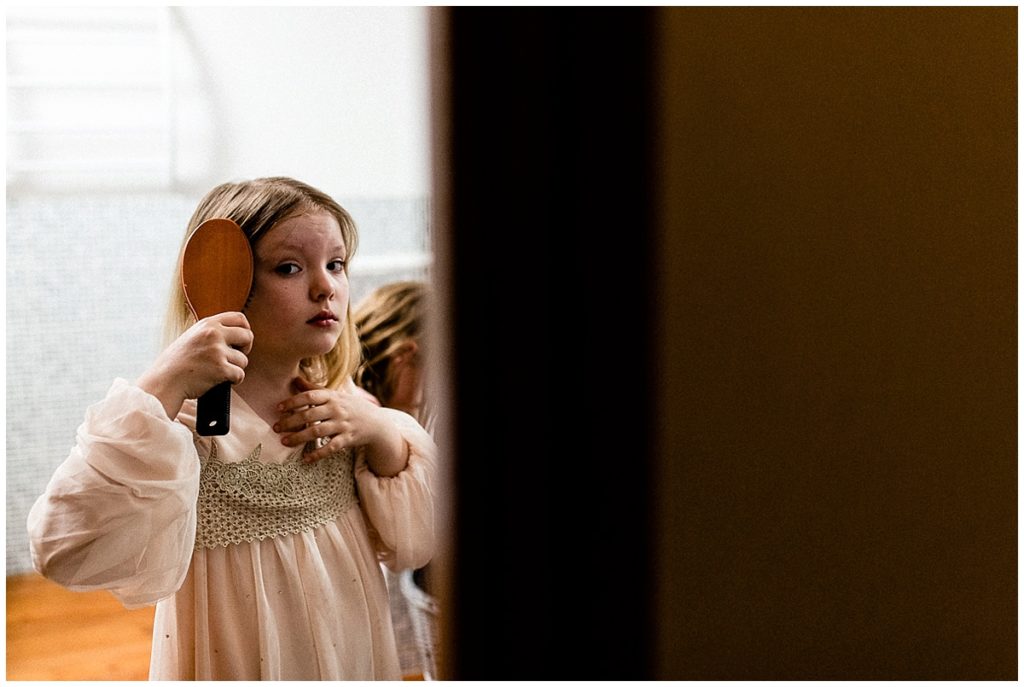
<point>256,206</point>
<point>387,319</point>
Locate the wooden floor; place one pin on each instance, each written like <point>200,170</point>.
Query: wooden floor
<point>56,634</point>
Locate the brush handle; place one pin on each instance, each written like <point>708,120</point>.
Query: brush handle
<point>213,411</point>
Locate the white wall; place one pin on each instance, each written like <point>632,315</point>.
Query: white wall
<point>336,96</point>
<point>182,98</point>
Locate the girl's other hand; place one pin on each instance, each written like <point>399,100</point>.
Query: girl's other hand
<point>211,351</point>
<point>345,419</point>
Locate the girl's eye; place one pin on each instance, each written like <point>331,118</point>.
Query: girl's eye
<point>336,265</point>
<point>287,268</point>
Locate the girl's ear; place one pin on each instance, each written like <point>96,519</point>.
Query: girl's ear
<point>405,353</point>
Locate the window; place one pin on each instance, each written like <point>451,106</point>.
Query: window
<point>89,99</point>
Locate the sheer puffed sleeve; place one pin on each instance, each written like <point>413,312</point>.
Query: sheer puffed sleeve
<point>401,508</point>
<point>120,512</point>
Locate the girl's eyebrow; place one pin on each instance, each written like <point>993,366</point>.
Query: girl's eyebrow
<point>298,248</point>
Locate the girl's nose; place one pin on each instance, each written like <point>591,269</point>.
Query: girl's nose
<point>322,286</point>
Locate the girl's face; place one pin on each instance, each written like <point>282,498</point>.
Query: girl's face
<point>300,290</point>
<point>406,381</point>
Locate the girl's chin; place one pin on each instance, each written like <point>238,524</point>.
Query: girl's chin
<point>320,350</point>
<point>311,349</point>
<point>330,340</point>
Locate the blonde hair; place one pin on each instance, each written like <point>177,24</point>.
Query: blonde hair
<point>387,319</point>
<point>256,206</point>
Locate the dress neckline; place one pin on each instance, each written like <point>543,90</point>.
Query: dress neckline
<point>248,429</point>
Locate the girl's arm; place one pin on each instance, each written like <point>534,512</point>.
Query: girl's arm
<point>119,513</point>
<point>400,509</point>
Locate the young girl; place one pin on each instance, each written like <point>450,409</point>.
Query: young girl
<point>391,323</point>
<point>259,547</point>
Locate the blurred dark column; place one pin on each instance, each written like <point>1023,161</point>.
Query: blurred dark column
<point>548,253</point>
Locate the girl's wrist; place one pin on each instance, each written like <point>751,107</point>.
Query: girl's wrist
<point>388,453</point>
<point>164,390</point>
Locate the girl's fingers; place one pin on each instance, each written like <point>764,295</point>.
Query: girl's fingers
<point>313,414</point>
<point>239,337</point>
<point>296,422</point>
<point>325,451</point>
<point>231,319</point>
<point>237,358</point>
<point>300,384</point>
<point>317,397</point>
<point>310,433</point>
<point>235,328</point>
<point>319,454</point>
<point>303,415</point>
<point>291,403</point>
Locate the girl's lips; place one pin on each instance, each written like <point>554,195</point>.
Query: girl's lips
<point>324,319</point>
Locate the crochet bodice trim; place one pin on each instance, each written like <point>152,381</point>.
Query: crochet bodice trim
<point>249,500</point>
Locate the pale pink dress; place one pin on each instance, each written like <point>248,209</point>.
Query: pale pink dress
<point>121,514</point>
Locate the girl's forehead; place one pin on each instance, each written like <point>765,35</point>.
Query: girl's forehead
<point>303,231</point>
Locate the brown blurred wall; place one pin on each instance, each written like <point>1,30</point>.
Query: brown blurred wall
<point>837,467</point>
